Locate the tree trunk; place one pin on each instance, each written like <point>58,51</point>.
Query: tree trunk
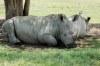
<point>19,7</point>
<point>8,8</point>
<point>26,8</point>
<point>15,8</point>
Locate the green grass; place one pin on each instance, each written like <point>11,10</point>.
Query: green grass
<point>10,56</point>
<point>52,56</point>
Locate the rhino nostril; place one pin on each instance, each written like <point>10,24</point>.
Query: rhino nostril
<point>68,45</point>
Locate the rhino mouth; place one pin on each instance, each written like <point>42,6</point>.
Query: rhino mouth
<point>71,45</point>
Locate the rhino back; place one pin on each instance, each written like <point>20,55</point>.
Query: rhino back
<point>29,28</point>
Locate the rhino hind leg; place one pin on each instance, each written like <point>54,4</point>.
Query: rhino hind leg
<point>9,33</point>
<point>48,39</point>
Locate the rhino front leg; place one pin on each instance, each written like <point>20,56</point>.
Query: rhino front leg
<point>12,39</point>
<point>8,31</point>
<point>48,39</point>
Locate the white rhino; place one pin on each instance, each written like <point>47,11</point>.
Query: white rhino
<point>80,25</point>
<point>39,30</point>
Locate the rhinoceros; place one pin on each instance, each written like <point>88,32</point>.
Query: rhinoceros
<point>39,30</point>
<point>80,25</point>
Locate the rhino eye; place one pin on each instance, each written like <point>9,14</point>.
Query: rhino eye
<point>64,34</point>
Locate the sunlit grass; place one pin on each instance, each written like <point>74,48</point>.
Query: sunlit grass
<point>69,7</point>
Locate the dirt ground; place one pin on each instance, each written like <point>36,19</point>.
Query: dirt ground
<point>94,32</point>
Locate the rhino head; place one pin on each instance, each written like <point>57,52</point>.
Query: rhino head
<point>65,31</point>
<point>80,24</point>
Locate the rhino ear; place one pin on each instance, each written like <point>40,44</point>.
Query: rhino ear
<point>61,16</point>
<point>88,18</point>
<point>75,18</point>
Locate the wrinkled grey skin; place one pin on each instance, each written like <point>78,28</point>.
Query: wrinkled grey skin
<point>39,30</point>
<point>80,25</point>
